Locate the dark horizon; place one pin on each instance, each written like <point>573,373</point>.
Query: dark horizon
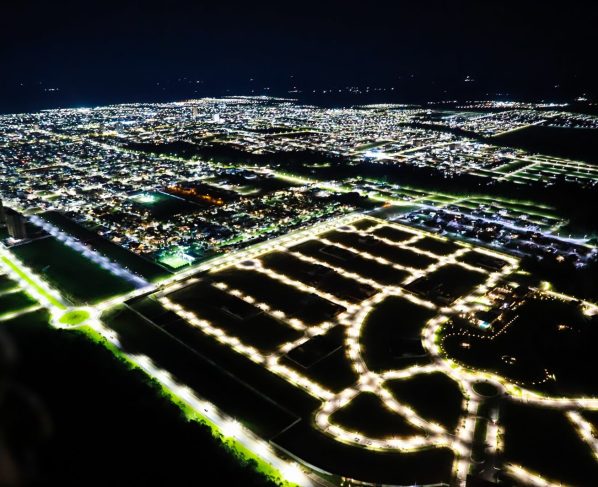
<point>97,53</point>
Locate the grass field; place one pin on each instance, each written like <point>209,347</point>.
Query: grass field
<point>16,301</point>
<point>115,253</point>
<point>74,317</point>
<point>64,268</point>
<point>32,282</point>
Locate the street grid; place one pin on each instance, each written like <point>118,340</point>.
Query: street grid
<point>352,318</point>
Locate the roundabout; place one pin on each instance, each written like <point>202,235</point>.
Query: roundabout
<point>73,317</point>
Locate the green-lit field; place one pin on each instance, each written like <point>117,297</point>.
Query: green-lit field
<point>74,317</point>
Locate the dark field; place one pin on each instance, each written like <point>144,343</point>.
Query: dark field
<point>320,277</point>
<point>183,351</point>
<point>391,334</point>
<point>238,318</point>
<point>427,466</point>
<point>544,440</point>
<point>77,277</point>
<point>434,397</point>
<point>572,143</point>
<point>82,419</point>
<point>309,308</point>
<point>436,246</point>
<point>334,372</point>
<point>478,259</point>
<point>378,248</point>
<point>394,234</point>
<point>352,262</point>
<point>14,302</point>
<point>323,360</point>
<point>367,414</point>
<point>6,283</point>
<point>318,347</point>
<point>364,224</point>
<point>254,375</point>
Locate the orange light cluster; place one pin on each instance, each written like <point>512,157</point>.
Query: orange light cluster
<point>194,193</point>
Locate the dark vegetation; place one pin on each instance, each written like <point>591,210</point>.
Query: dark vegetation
<point>75,415</point>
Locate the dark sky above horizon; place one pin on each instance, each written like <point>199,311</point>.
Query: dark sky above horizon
<point>102,51</point>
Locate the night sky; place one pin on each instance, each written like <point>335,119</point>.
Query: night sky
<point>105,51</point>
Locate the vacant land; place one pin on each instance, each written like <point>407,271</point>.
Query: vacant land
<point>241,391</point>
<point>318,276</point>
<point>378,248</point>
<point>436,246</point>
<point>394,234</point>
<point>352,262</point>
<point>435,397</point>
<point>76,276</point>
<point>391,334</point>
<point>543,440</point>
<point>367,414</point>
<point>309,308</point>
<point>446,284</point>
<point>233,315</point>
<point>323,360</point>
